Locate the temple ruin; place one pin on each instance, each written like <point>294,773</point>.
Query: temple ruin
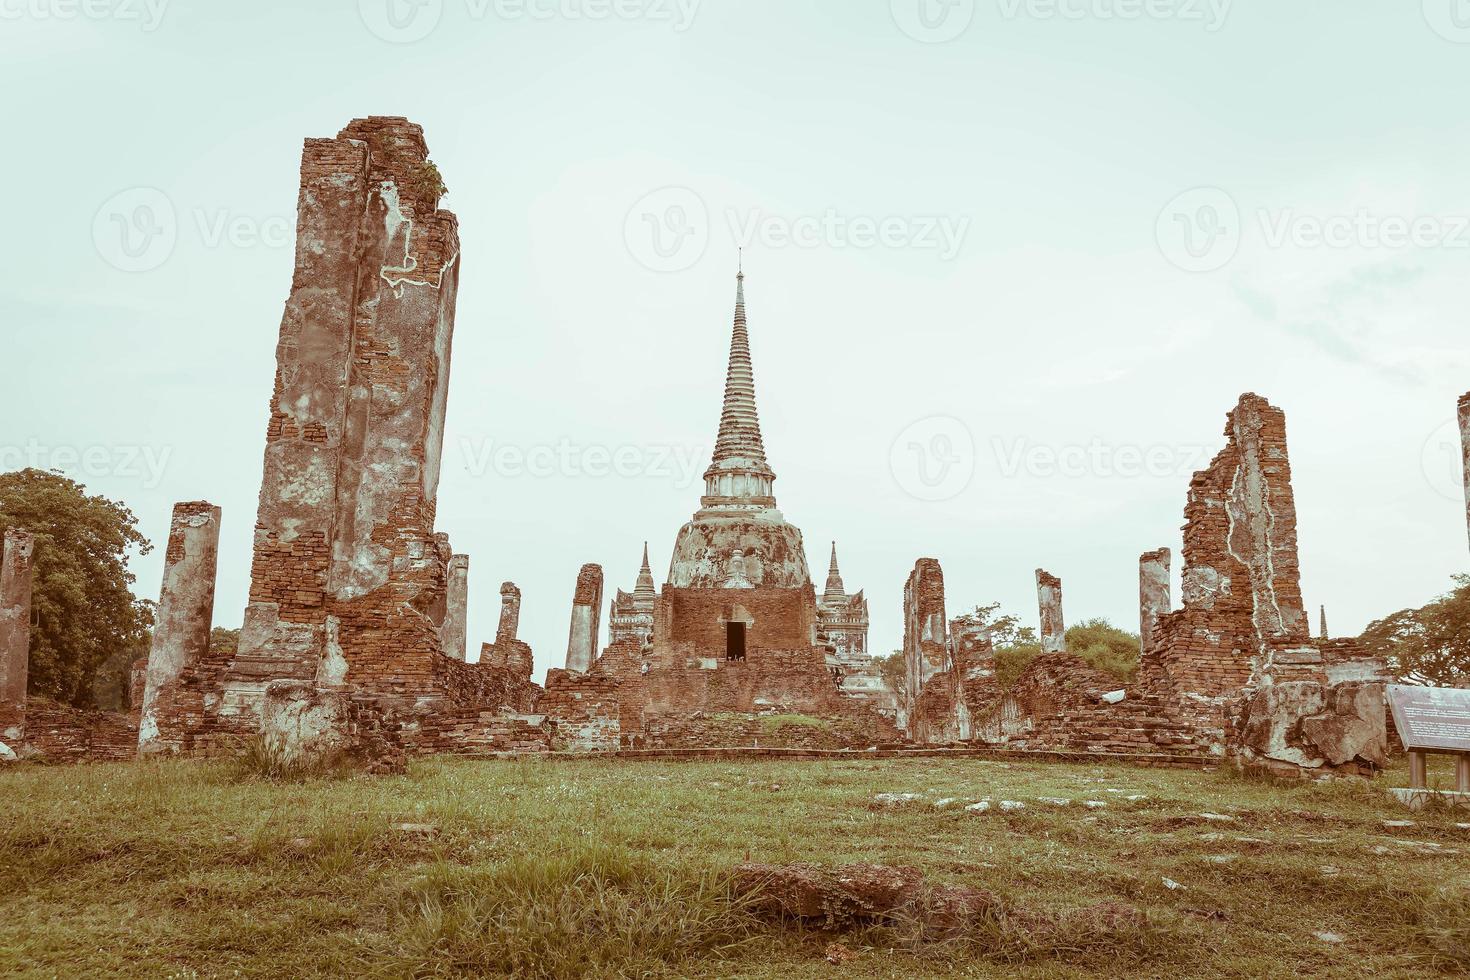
<point>354,638</point>
<point>1234,672</point>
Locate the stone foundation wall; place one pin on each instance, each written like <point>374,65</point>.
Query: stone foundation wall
<point>1058,705</point>
<point>60,733</point>
<point>585,708</point>
<point>732,730</point>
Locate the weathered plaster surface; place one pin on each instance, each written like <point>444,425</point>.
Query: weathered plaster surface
<point>182,619</point>
<point>1049,601</point>
<point>1153,593</point>
<point>15,631</point>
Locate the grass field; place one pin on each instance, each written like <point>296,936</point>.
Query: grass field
<point>604,869</point>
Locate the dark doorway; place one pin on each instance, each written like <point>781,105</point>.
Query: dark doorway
<point>734,641</point>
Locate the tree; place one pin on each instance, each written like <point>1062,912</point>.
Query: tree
<point>1104,646</point>
<point>1429,645</point>
<point>1015,645</point>
<point>891,668</point>
<point>82,608</point>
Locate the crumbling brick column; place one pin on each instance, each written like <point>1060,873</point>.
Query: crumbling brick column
<point>456,607</point>
<point>510,612</point>
<point>182,621</point>
<point>1049,598</point>
<point>15,632</point>
<point>925,640</point>
<point>1153,593</point>
<point>1238,660</point>
<point>1465,451</point>
<point>586,614</point>
<point>347,575</point>
<point>137,684</point>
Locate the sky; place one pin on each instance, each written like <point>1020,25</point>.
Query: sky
<point>1009,263</point>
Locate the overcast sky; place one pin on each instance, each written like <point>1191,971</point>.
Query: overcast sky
<point>1009,263</point>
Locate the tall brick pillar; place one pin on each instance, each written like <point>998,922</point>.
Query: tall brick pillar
<point>1153,593</point>
<point>510,612</point>
<point>181,623</point>
<point>586,613</point>
<point>1465,450</point>
<point>1049,598</point>
<point>456,607</point>
<point>925,639</point>
<point>15,631</point>
<point>347,573</point>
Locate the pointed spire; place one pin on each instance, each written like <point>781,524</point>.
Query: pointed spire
<point>834,588</point>
<point>1324,624</point>
<point>739,450</point>
<point>644,592</point>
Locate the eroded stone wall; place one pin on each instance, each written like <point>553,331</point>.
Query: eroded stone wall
<point>347,576</point>
<point>181,626</point>
<point>456,607</point>
<point>16,563</point>
<point>924,640</point>
<point>1049,603</point>
<point>1153,594</point>
<point>585,627</point>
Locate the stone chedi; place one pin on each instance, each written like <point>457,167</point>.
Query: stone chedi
<point>735,630</point>
<point>630,617</point>
<point>843,620</point>
<point>738,510</point>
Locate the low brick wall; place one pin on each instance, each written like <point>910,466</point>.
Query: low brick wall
<point>61,733</point>
<point>771,731</point>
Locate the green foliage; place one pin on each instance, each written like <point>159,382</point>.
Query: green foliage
<point>223,641</point>
<point>1104,646</point>
<point>112,687</point>
<point>1012,661</point>
<point>82,609</point>
<point>1428,645</point>
<point>895,675</point>
<point>1005,630</point>
<point>427,184</point>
